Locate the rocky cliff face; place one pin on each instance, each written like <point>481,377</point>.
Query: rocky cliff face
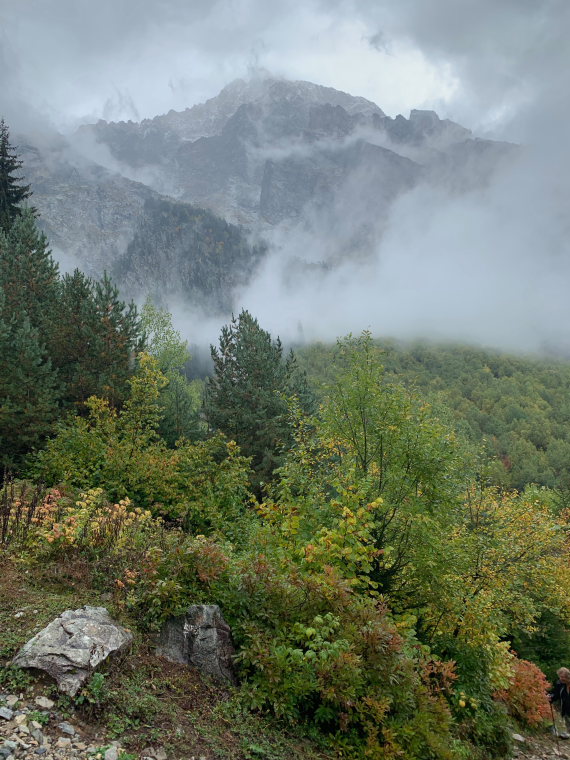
<point>267,155</point>
<point>100,221</point>
<point>261,152</point>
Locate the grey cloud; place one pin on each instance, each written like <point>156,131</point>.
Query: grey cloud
<point>509,55</point>
<point>506,52</point>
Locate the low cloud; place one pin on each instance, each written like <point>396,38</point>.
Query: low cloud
<point>489,266</point>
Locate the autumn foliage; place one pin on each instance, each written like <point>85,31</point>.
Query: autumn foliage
<point>373,591</point>
<point>525,696</point>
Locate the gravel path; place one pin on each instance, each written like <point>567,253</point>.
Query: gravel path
<point>34,729</point>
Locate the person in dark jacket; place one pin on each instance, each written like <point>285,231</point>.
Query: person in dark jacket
<point>560,697</point>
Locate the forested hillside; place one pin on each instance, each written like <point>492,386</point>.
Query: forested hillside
<point>388,593</point>
<point>515,409</point>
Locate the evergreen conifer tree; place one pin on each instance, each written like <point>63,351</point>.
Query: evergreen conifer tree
<point>115,342</point>
<point>12,191</point>
<point>28,274</point>
<point>29,389</point>
<point>246,398</point>
<point>93,340</point>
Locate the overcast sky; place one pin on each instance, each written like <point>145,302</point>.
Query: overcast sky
<point>493,65</point>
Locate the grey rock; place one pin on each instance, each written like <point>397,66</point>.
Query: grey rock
<point>12,700</point>
<point>6,713</point>
<point>73,645</point>
<point>41,751</point>
<point>200,638</point>
<point>45,703</point>
<point>518,738</point>
<point>155,753</point>
<point>67,728</point>
<point>112,753</point>
<point>36,734</point>
<point>5,751</point>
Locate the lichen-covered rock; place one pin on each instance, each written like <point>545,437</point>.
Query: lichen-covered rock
<point>73,645</point>
<point>200,638</point>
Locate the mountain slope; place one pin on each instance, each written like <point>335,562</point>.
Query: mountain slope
<point>270,155</point>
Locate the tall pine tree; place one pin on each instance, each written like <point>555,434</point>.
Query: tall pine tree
<point>13,192</point>
<point>61,339</point>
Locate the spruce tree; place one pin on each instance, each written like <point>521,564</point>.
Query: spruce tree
<point>116,340</point>
<point>28,274</point>
<point>12,190</point>
<point>93,340</point>
<point>71,338</point>
<point>246,398</point>
<point>29,389</point>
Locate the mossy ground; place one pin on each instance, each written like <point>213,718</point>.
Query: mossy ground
<point>143,699</point>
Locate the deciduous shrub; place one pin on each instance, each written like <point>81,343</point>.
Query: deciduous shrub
<point>525,697</point>
<point>201,486</point>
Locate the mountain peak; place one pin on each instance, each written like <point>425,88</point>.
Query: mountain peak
<point>209,118</point>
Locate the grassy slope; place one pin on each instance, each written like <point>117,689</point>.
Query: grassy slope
<point>145,700</point>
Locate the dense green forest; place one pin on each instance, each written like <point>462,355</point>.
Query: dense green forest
<point>384,527</point>
<point>515,409</point>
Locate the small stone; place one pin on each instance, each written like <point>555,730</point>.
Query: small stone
<point>23,729</point>
<point>37,734</point>
<point>5,751</point>
<point>21,718</point>
<point>66,728</point>
<point>518,738</point>
<point>44,702</point>
<point>41,751</point>
<point>112,753</point>
<point>63,741</point>
<point>11,700</point>
<point>6,713</point>
<point>19,614</point>
<point>10,744</point>
<point>154,753</point>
